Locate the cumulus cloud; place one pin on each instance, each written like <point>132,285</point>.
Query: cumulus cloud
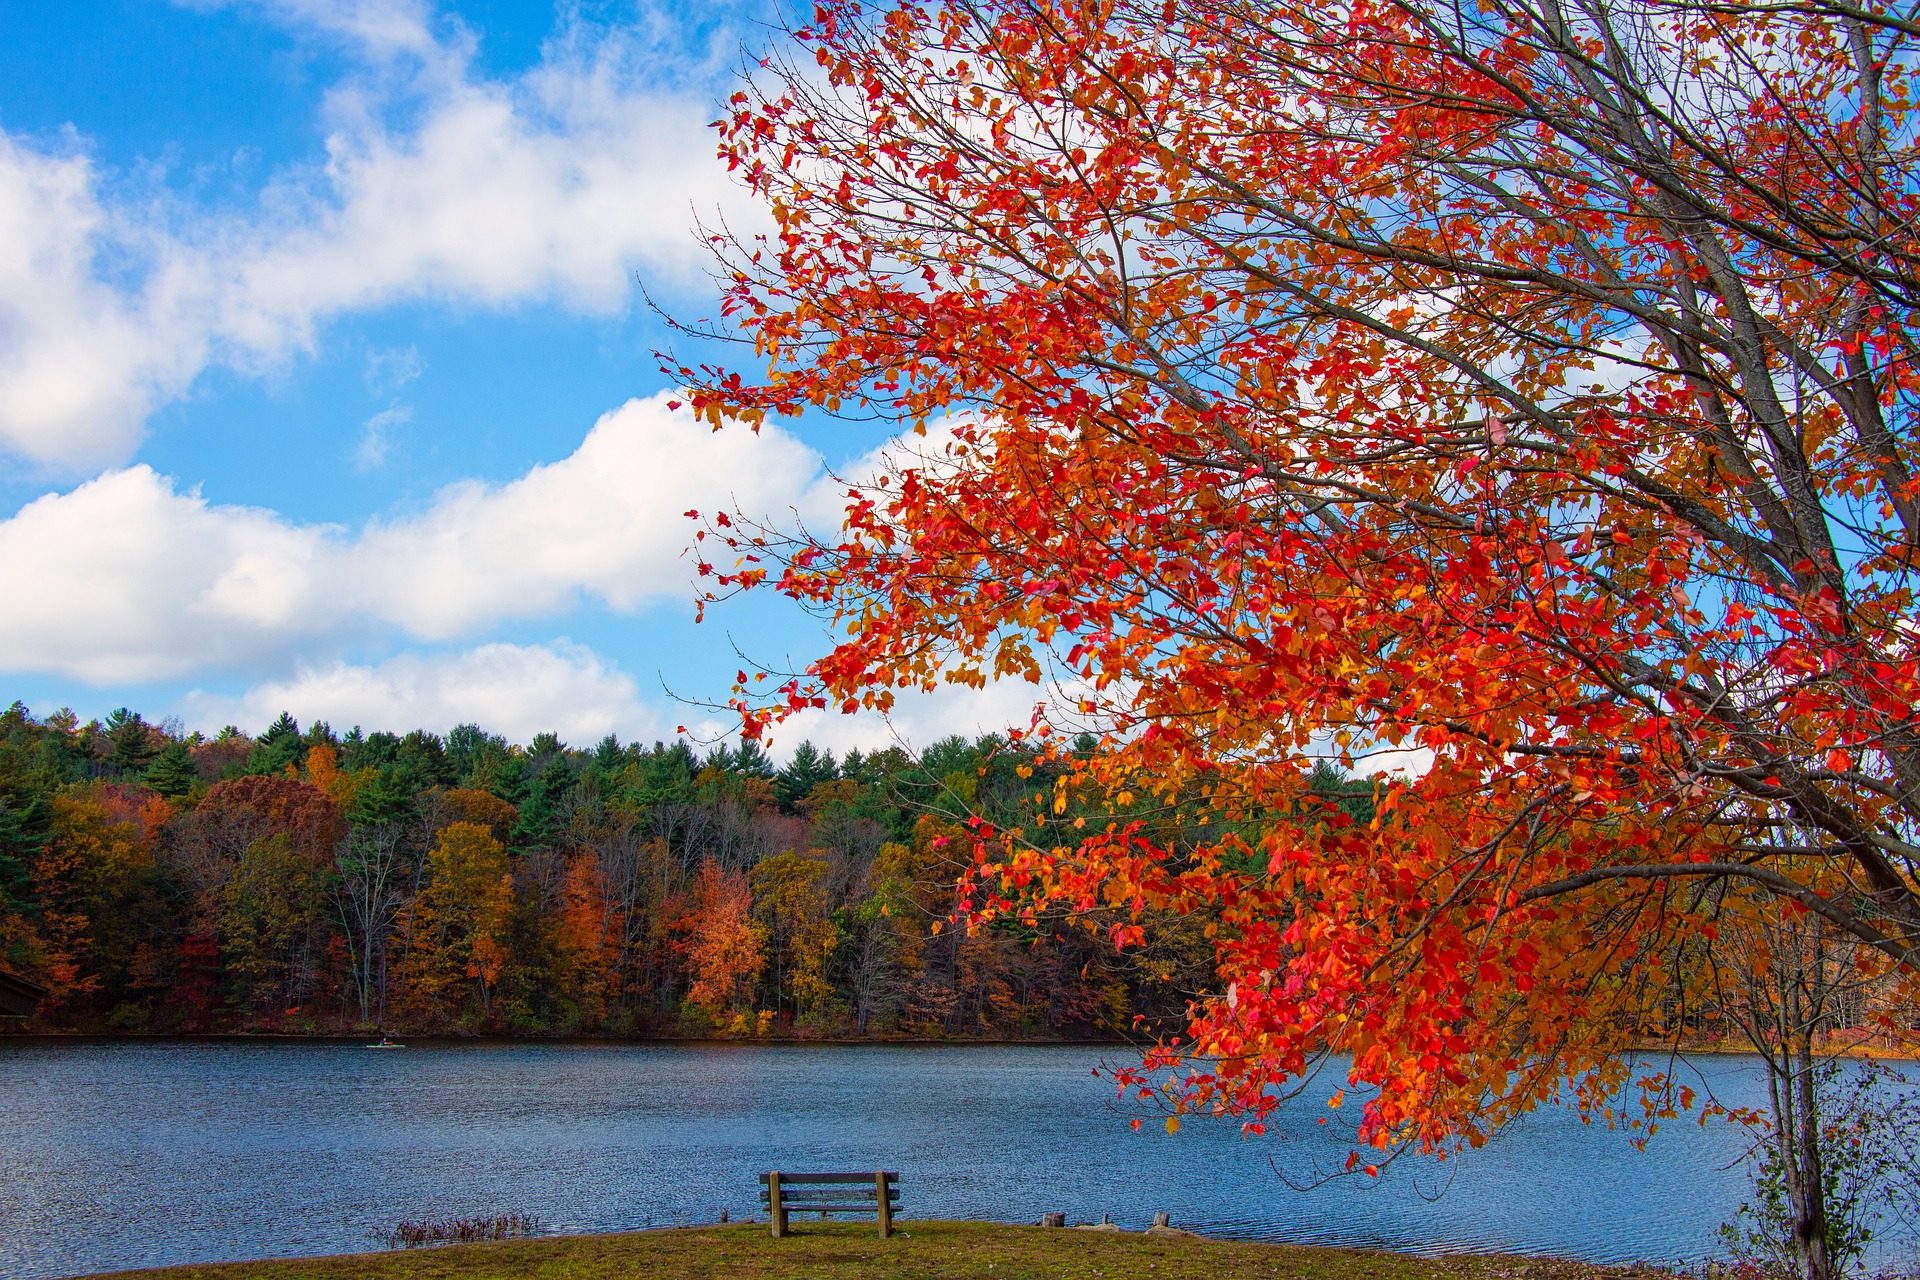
<point>438,183</point>
<point>127,578</point>
<point>608,522</point>
<point>515,690</point>
<point>83,361</point>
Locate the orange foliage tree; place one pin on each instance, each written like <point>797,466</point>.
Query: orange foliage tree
<point>1522,386</point>
<point>99,849</point>
<point>725,948</point>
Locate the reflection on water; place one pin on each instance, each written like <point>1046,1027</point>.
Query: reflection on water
<point>129,1155</point>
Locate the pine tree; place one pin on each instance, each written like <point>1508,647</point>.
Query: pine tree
<point>172,772</point>
<point>808,769</point>
<point>131,738</point>
<point>279,748</point>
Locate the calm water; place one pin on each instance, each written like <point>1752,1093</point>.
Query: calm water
<point>129,1155</point>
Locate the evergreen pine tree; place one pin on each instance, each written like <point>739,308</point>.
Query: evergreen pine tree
<point>543,793</point>
<point>172,772</point>
<point>26,790</point>
<point>279,748</point>
<point>131,739</point>
<point>423,756</point>
<point>808,769</point>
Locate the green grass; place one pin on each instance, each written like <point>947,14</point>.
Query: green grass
<point>918,1251</point>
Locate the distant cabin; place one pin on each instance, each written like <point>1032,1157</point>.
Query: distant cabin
<point>18,997</point>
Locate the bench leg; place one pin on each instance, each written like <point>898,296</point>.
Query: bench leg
<point>776,1206</point>
<point>886,1206</point>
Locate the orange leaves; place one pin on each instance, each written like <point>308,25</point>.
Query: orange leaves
<point>1287,436</point>
<point>725,949</point>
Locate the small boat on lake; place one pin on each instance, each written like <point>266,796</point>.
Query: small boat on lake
<point>386,1042</point>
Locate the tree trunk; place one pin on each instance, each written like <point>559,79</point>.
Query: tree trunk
<point>1796,1129</point>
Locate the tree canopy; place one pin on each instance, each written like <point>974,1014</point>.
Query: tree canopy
<point>1525,387</point>
<point>305,882</point>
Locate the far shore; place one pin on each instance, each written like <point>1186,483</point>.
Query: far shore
<point>1877,1052</point>
<point>405,1039</point>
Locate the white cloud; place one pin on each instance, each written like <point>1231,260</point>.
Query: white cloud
<point>515,690</point>
<point>82,361</point>
<point>567,689</point>
<point>607,522</point>
<point>439,183</point>
<point>376,436</point>
<point>126,578</point>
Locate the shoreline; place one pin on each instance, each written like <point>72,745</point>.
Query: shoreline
<point>288,1037</point>
<point>1872,1052</point>
<point>928,1250</point>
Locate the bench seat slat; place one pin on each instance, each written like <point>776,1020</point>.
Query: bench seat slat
<point>868,1207</point>
<point>815,1202</point>
<point>869,1201</point>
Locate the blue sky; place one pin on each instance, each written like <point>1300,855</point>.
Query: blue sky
<point>325,380</point>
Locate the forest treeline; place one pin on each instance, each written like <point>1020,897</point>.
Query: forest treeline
<point>307,882</point>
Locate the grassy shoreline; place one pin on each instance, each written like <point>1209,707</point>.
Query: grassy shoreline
<point>919,1251</point>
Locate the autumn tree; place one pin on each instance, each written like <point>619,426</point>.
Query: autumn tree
<point>330,894</point>
<point>272,919</point>
<point>1792,987</point>
<point>460,923</point>
<point>614,902</point>
<point>790,901</point>
<point>589,932</point>
<point>726,950</point>
<point>88,880</point>
<point>885,932</point>
<point>1522,387</point>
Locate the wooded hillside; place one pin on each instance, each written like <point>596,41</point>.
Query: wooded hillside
<point>305,881</point>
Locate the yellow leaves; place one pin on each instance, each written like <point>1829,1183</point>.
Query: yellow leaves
<point>1173,1124</point>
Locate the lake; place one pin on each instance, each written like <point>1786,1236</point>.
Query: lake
<point>140,1154</point>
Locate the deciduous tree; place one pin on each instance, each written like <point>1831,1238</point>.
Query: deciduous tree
<point>790,901</point>
<point>460,923</point>
<point>725,949</point>
<point>1526,386</point>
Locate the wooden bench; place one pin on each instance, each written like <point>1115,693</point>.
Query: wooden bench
<point>825,1193</point>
